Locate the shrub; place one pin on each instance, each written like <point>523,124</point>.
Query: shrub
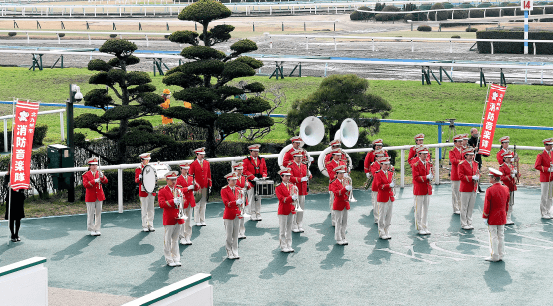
<point>460,14</point>
<point>112,35</point>
<point>385,17</point>
<point>40,134</point>
<point>356,16</point>
<point>166,36</point>
<point>12,34</point>
<point>130,188</point>
<point>409,17</point>
<point>60,35</point>
<point>476,14</point>
<point>514,48</point>
<point>455,36</point>
<point>443,15</point>
<point>469,29</point>
<point>424,28</point>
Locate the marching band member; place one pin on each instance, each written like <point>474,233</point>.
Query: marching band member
<point>170,204</point>
<point>255,169</point>
<point>376,165</point>
<point>474,142</point>
<point>299,176</point>
<point>341,204</point>
<point>244,184</point>
<point>146,198</point>
<point>296,146</point>
<point>544,164</point>
<point>454,158</point>
<point>330,166</point>
<point>509,179</point>
<point>465,140</point>
<point>201,172</point>
<point>469,176</point>
<point>336,145</point>
<point>422,189</point>
<point>286,210</point>
<point>385,184</point>
<point>504,148</point>
<point>188,186</point>
<point>496,206</point>
<point>370,157</point>
<point>165,105</point>
<point>231,198</point>
<point>92,181</point>
<point>419,140</point>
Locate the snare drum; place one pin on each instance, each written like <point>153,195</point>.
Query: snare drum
<point>265,188</point>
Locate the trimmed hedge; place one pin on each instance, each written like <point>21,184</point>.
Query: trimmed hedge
<point>469,29</point>
<point>40,134</point>
<point>514,48</point>
<point>12,34</point>
<point>424,28</point>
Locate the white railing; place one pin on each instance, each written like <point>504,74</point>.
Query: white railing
<point>88,33</point>
<point>7,117</point>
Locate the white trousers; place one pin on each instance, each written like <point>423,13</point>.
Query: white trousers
<point>231,226</point>
<point>94,215</point>
<point>455,195</point>
<point>147,209</point>
<point>341,224</point>
<point>255,206</point>
<point>497,241</point>
<point>374,196</point>
<point>511,204</point>
<point>298,217</point>
<point>171,243</point>
<point>242,228</point>
<point>285,231</point>
<point>186,228</point>
<point>421,212</point>
<point>467,206</point>
<point>546,198</point>
<point>384,218</point>
<point>331,204</point>
<point>199,210</point>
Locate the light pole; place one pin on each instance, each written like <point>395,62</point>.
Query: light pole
<point>75,95</point>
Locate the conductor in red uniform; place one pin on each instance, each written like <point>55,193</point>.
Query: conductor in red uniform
<point>94,197</point>
<point>231,198</point>
<point>340,206</point>
<point>455,157</point>
<point>201,172</point>
<point>299,176</point>
<point>286,210</point>
<point>509,179</point>
<point>169,203</point>
<point>385,183</point>
<point>296,146</point>
<point>469,176</point>
<point>188,187</point>
<point>146,199</point>
<point>255,169</point>
<point>422,189</point>
<point>544,164</point>
<point>496,205</point>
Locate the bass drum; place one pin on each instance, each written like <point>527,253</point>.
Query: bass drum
<point>149,179</point>
<point>321,161</point>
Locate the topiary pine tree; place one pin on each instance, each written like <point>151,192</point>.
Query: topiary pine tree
<point>137,100</point>
<point>340,97</point>
<point>205,77</point>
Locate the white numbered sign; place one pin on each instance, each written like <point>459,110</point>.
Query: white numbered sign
<point>527,5</point>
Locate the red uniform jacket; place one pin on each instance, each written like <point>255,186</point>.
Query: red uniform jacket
<point>94,190</point>
<point>543,162</point>
<point>297,173</point>
<point>341,197</point>
<point>141,193</point>
<point>201,173</point>
<point>254,168</point>
<point>496,204</point>
<point>369,160</point>
<point>245,184</point>
<point>466,171</point>
<point>421,185</point>
<point>165,200</point>
<point>413,155</point>
<point>454,158</point>
<point>229,199</point>
<point>285,202</point>
<point>343,157</point>
<point>330,169</point>
<point>382,182</point>
<point>289,158</point>
<point>506,178</point>
<point>499,157</point>
<point>188,194</point>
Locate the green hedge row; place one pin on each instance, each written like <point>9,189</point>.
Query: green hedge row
<point>514,48</point>
<point>40,134</point>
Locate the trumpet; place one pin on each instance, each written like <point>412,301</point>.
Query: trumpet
<point>295,191</point>
<point>349,181</point>
<point>368,182</point>
<point>242,207</point>
<point>178,194</point>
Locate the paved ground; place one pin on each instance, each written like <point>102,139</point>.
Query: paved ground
<point>444,268</point>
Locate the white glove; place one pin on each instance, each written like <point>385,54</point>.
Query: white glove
<point>515,171</point>
<point>304,179</point>
<point>429,176</point>
<point>294,197</point>
<point>475,177</point>
<point>239,201</point>
<point>368,175</point>
<point>177,201</point>
<point>311,159</point>
<point>513,174</point>
<point>348,187</point>
<point>392,184</point>
<point>140,176</point>
<point>486,222</point>
<point>550,170</point>
<point>346,175</point>
<point>191,187</point>
<point>97,180</point>
<point>255,179</point>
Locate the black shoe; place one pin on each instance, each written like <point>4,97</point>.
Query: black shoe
<point>18,239</point>
<point>14,239</point>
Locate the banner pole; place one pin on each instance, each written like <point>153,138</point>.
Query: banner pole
<point>9,194</point>
<point>482,117</point>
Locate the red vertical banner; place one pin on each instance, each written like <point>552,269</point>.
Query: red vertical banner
<point>493,106</point>
<point>26,114</point>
